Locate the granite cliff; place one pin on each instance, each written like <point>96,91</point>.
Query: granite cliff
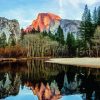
<point>48,21</point>
<point>9,26</point>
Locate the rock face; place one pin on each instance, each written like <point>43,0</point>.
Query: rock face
<point>45,20</point>
<point>70,26</point>
<point>48,21</point>
<point>9,27</point>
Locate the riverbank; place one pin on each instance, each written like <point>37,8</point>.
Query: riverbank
<point>22,59</point>
<point>82,62</point>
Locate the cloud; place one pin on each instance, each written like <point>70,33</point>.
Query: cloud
<point>67,9</point>
<point>91,2</point>
<point>76,3</point>
<point>73,9</point>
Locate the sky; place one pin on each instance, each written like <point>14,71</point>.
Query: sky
<point>25,11</point>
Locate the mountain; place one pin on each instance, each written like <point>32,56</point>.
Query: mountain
<point>44,21</point>
<point>49,21</point>
<point>70,26</point>
<point>9,26</point>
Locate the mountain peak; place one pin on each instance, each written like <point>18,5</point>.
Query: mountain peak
<point>53,16</point>
<point>49,21</point>
<point>44,21</point>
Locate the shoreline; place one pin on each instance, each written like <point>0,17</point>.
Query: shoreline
<point>79,62</point>
<point>23,59</point>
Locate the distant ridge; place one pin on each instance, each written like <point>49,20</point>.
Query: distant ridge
<point>49,21</point>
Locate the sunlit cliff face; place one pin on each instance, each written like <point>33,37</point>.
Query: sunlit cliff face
<point>44,21</point>
<point>44,92</point>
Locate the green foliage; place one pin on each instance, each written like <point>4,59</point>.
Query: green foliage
<point>59,36</point>
<point>86,27</point>
<point>96,41</point>
<point>52,36</point>
<point>39,45</point>
<point>12,40</point>
<point>85,14</point>
<point>98,16</point>
<point>45,33</point>
<point>38,30</point>
<point>95,17</point>
<point>3,42</point>
<point>71,44</point>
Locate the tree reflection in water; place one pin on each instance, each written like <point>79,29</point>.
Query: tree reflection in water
<point>48,81</point>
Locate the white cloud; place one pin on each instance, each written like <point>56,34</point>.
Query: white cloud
<point>70,8</point>
<point>76,3</point>
<point>90,2</point>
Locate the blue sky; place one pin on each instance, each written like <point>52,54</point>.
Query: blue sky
<point>27,10</point>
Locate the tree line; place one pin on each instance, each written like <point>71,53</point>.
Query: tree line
<point>34,43</point>
<point>89,32</point>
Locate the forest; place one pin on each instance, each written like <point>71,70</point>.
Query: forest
<point>86,43</point>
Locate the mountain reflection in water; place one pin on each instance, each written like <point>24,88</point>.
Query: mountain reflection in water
<point>48,81</point>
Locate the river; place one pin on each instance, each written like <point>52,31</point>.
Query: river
<point>47,81</point>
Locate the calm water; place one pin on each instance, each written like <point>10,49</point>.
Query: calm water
<point>52,79</point>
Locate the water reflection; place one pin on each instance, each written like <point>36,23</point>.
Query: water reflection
<point>48,81</point>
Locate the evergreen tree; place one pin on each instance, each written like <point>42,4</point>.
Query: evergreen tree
<point>33,30</point>
<point>12,40</point>
<point>85,14</point>
<point>71,44</point>
<point>22,34</point>
<point>50,34</point>
<point>86,27</point>
<point>95,17</point>
<point>60,36</point>
<point>90,27</point>
<point>3,42</point>
<point>98,16</point>
<point>44,33</point>
<point>38,29</point>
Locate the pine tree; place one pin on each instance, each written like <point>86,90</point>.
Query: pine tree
<point>12,40</point>
<point>85,14</point>
<point>50,34</point>
<point>95,17</point>
<point>22,34</point>
<point>38,29</point>
<point>3,42</point>
<point>60,36</point>
<point>86,27</point>
<point>44,33</point>
<point>71,44</point>
<point>90,27</point>
<point>98,16</point>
